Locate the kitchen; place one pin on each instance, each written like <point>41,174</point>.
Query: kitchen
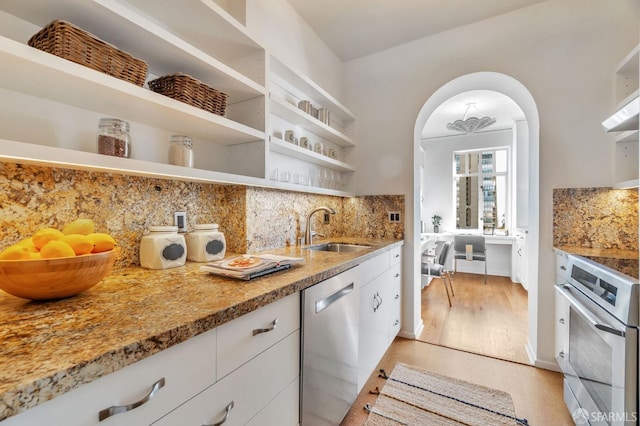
<point>606,32</point>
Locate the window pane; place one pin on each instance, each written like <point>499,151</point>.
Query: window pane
<point>488,162</point>
<point>489,205</point>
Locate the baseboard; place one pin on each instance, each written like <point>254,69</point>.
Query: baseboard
<point>547,365</point>
<point>540,363</point>
<point>413,336</point>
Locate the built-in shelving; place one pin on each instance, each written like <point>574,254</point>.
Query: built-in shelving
<point>306,121</point>
<point>286,148</point>
<point>303,87</point>
<point>196,37</point>
<point>26,153</point>
<point>625,120</point>
<point>31,71</point>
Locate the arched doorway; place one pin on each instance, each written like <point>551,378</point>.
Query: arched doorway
<point>515,90</point>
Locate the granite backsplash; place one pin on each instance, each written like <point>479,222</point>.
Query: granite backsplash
<point>602,219</point>
<point>252,218</point>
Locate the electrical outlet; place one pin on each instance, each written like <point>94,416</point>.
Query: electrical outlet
<point>180,220</point>
<point>394,217</point>
<point>326,218</point>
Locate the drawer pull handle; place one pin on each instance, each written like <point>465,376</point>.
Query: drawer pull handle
<point>561,320</point>
<point>397,256</point>
<point>564,268</point>
<point>226,415</point>
<point>263,330</point>
<point>117,409</point>
<point>397,297</point>
<point>396,323</point>
<point>397,275</point>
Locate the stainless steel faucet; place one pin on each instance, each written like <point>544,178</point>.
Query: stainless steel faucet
<point>308,235</point>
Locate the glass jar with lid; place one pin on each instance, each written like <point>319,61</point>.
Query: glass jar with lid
<point>181,151</point>
<point>114,138</point>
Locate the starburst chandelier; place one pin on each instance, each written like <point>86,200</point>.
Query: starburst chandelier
<point>472,121</point>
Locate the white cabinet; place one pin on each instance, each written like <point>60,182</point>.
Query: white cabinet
<point>521,261</point>
<point>245,361</point>
<point>187,369</point>
<point>292,165</point>
<point>380,309</point>
<point>245,337</point>
<point>247,391</point>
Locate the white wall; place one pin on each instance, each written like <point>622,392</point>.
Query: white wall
<point>438,177</point>
<point>563,51</point>
<point>280,30</point>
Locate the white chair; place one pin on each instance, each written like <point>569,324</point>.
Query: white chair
<point>435,267</point>
<point>478,251</point>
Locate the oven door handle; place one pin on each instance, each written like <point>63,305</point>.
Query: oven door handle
<point>565,291</point>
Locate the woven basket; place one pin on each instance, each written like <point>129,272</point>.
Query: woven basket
<point>67,41</point>
<point>187,89</point>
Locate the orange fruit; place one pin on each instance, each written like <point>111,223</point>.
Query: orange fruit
<point>45,235</point>
<point>28,242</point>
<point>56,248</point>
<point>81,244</point>
<point>16,252</point>
<point>101,242</point>
<point>79,226</point>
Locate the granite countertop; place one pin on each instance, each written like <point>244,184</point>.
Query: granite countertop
<point>49,348</point>
<point>625,261</point>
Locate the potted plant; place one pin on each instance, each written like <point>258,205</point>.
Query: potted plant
<point>435,220</point>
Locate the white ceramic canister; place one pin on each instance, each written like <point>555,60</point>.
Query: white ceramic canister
<point>205,243</point>
<point>163,248</point>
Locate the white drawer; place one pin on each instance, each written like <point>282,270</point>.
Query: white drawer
<point>187,368</point>
<point>395,255</point>
<point>284,410</point>
<point>372,268</point>
<point>240,340</point>
<point>250,388</point>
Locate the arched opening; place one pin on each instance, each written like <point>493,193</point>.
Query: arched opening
<point>514,90</point>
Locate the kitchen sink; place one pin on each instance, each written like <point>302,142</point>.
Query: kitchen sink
<point>339,247</point>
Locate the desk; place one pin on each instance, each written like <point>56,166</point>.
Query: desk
<point>500,254</point>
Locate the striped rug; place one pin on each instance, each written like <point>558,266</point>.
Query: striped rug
<point>413,396</point>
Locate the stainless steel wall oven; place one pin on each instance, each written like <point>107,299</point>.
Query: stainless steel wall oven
<point>598,310</point>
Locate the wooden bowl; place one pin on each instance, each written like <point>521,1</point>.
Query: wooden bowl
<point>47,279</point>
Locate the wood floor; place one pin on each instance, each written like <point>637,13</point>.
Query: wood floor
<point>488,319</point>
<point>536,393</point>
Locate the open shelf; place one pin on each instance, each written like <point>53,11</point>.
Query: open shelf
<point>296,116</point>
<point>32,72</point>
<point>285,148</point>
<point>304,88</point>
<point>26,153</point>
<point>164,52</point>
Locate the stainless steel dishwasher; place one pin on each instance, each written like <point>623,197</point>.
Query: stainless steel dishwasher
<point>329,349</point>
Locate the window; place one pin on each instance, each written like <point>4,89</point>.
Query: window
<point>481,189</point>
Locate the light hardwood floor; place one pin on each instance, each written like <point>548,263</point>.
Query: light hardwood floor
<point>536,393</point>
<point>488,319</point>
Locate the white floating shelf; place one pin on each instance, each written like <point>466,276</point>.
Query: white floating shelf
<point>40,74</point>
<point>628,136</point>
<point>145,39</point>
<point>20,152</point>
<point>309,90</point>
<point>296,116</point>
<point>286,148</point>
<point>628,184</point>
<point>46,156</point>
